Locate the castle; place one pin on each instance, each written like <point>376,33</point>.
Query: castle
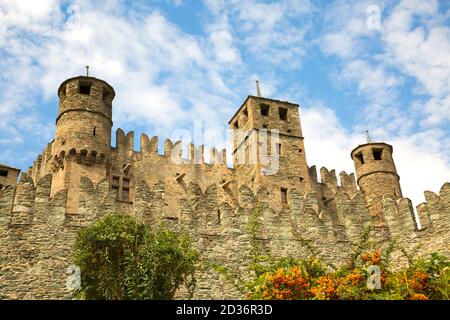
<point>80,177</point>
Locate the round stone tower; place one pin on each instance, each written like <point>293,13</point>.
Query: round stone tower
<point>377,176</point>
<point>82,144</point>
<point>84,121</point>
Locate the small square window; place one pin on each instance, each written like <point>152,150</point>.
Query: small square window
<point>264,109</point>
<point>3,173</point>
<point>283,113</point>
<point>84,88</point>
<point>377,154</point>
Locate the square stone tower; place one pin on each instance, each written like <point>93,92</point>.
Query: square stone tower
<point>268,148</point>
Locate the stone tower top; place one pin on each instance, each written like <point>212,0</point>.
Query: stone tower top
<point>264,113</point>
<point>87,86</point>
<point>377,175</point>
<point>373,157</point>
<point>84,118</point>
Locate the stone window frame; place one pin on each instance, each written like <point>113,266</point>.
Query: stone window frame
<point>377,154</point>
<point>360,157</point>
<point>64,91</point>
<point>245,113</point>
<point>284,196</point>
<point>82,85</point>
<point>264,109</point>
<point>283,113</point>
<point>122,184</point>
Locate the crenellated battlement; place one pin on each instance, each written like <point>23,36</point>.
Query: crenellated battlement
<point>173,151</point>
<point>209,212</point>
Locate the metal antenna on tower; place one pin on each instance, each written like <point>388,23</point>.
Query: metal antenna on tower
<point>87,71</point>
<point>367,136</point>
<point>258,90</point>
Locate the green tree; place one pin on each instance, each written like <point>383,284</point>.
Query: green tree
<point>122,259</point>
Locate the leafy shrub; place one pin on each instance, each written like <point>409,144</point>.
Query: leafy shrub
<point>122,259</point>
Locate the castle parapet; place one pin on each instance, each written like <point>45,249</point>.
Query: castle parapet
<point>435,211</point>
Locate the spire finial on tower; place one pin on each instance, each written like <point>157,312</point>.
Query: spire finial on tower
<point>258,90</point>
<point>367,136</point>
<point>87,71</point>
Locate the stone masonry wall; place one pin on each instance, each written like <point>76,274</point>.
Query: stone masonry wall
<point>37,232</point>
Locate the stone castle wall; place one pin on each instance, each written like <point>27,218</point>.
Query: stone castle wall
<point>37,232</point>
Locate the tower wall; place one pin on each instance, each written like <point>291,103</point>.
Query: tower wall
<point>268,147</point>
<point>377,176</point>
<point>84,117</point>
<point>82,144</point>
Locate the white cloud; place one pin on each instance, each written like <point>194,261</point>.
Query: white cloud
<point>272,33</point>
<point>378,63</point>
<point>422,52</point>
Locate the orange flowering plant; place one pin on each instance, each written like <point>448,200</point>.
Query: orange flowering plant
<point>424,279</point>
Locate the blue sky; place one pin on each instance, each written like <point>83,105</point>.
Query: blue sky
<point>174,63</point>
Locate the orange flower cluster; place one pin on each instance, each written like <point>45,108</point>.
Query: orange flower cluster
<point>372,258</point>
<point>354,279</point>
<point>419,281</point>
<point>418,296</point>
<point>325,288</point>
<point>286,285</point>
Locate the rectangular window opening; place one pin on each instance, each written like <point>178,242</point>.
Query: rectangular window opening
<point>264,109</point>
<point>245,112</point>
<point>84,88</point>
<point>359,156</point>
<point>283,113</point>
<point>279,149</point>
<point>236,124</point>
<point>64,91</point>
<point>377,154</point>
<point>284,199</point>
<point>115,182</point>
<point>3,173</point>
<point>125,194</point>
